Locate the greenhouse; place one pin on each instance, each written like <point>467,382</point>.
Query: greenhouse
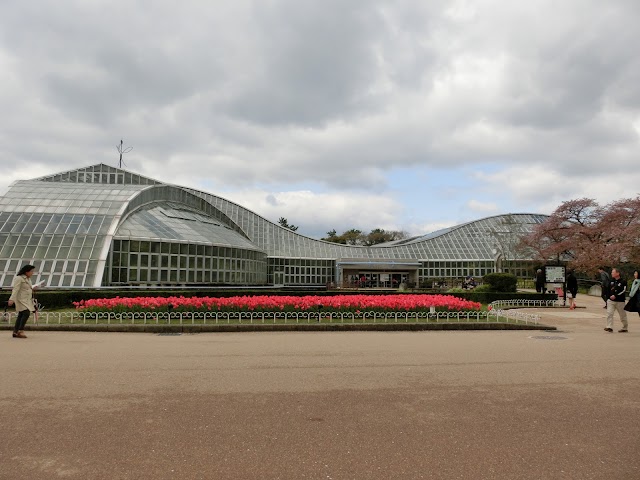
<point>103,226</point>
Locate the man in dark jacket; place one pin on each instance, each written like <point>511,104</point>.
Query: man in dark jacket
<point>605,281</point>
<point>615,302</point>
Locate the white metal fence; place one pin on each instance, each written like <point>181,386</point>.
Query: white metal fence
<point>495,315</point>
<point>524,303</point>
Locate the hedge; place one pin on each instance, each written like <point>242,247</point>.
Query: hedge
<point>501,282</point>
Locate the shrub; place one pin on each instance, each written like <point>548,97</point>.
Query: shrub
<point>501,282</point>
<point>485,287</point>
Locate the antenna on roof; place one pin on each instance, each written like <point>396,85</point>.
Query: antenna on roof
<point>122,151</point>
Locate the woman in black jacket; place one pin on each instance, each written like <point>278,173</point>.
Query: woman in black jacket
<point>572,289</point>
<point>633,305</point>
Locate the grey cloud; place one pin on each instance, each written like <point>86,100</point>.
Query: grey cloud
<point>314,62</point>
<point>330,93</point>
<point>99,64</point>
<point>271,200</point>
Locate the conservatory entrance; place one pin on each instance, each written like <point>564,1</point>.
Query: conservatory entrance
<point>378,279</point>
<point>376,274</point>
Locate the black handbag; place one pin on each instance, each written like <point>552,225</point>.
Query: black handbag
<point>633,305</point>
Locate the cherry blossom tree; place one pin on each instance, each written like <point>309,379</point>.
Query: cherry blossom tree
<point>586,235</point>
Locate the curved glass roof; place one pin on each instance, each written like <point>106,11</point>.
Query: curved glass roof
<point>474,240</point>
<point>64,223</point>
<point>171,221</point>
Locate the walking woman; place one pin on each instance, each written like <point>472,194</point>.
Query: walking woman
<point>22,297</point>
<point>633,305</point>
<point>572,289</point>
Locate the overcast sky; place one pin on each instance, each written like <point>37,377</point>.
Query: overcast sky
<point>405,115</point>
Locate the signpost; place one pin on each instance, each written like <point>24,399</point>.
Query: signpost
<point>557,274</point>
<point>554,274</point>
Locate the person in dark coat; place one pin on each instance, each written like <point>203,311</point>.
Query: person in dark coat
<point>572,289</point>
<point>540,281</point>
<point>617,290</point>
<point>633,305</point>
<point>605,282</point>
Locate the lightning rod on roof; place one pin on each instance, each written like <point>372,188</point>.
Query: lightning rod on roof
<point>122,151</point>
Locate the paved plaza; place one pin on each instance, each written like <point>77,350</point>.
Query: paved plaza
<point>325,405</point>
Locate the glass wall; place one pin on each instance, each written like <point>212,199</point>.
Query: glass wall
<point>455,269</point>
<point>136,262</point>
<point>59,228</point>
<point>301,271</point>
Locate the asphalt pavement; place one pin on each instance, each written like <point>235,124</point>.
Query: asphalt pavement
<point>562,404</point>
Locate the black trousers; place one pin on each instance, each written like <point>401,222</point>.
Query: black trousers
<point>21,320</point>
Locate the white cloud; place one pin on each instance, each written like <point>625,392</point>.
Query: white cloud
<point>424,228</point>
<point>541,188</point>
<point>484,207</point>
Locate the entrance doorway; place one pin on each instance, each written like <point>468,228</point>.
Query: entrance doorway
<point>379,279</point>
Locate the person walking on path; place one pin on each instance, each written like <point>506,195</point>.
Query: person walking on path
<point>572,289</point>
<point>540,281</point>
<point>22,297</point>
<point>615,303</point>
<point>605,282</point>
<point>633,305</point>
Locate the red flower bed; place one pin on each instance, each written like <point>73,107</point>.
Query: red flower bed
<point>281,303</point>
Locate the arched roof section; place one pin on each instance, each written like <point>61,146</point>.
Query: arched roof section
<point>60,222</point>
<point>472,240</point>
<point>154,194</point>
<point>170,193</point>
<point>479,239</point>
<point>175,222</point>
<point>99,174</point>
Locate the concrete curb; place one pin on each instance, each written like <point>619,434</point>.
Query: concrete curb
<point>323,327</point>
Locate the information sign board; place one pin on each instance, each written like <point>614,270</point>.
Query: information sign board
<point>554,274</point>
